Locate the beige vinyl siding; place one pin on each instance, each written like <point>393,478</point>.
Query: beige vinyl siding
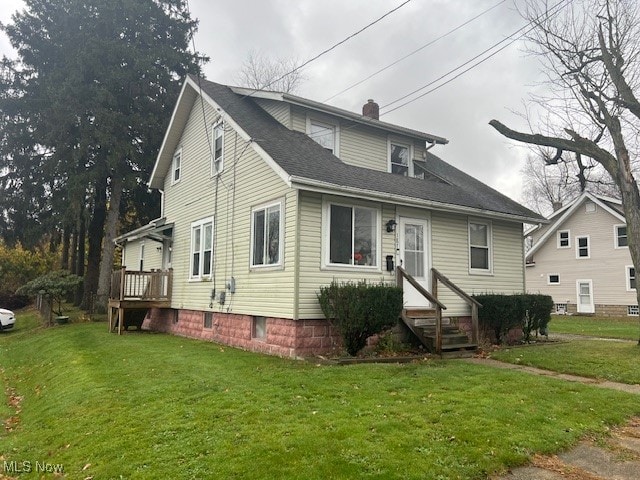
<point>152,256</point>
<point>279,110</point>
<point>450,254</point>
<point>606,265</point>
<point>267,291</point>
<point>298,119</point>
<point>364,147</point>
<point>312,274</point>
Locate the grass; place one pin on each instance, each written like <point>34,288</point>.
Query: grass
<point>146,406</point>
<point>625,328</point>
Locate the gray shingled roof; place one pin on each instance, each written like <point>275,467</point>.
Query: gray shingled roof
<point>304,159</point>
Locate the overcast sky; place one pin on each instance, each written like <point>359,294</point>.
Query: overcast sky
<point>459,111</point>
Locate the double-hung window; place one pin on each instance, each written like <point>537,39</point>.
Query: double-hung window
<point>324,134</point>
<point>217,146</point>
<point>201,248</point>
<point>582,247</point>
<point>620,235</point>
<point>266,235</point>
<point>563,239</point>
<point>400,159</point>
<point>631,277</point>
<point>176,167</point>
<point>353,235</point>
<point>479,246</point>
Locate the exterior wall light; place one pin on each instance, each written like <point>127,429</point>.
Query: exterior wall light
<point>391,225</point>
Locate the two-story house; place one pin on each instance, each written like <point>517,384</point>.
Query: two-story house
<point>267,196</point>
<point>582,260</point>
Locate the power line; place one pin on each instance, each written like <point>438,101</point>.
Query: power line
<point>453,30</point>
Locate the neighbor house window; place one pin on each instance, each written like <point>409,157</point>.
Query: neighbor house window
<point>479,246</point>
<point>217,145</point>
<point>633,311</point>
<point>582,247</point>
<point>353,235</point>
<point>621,239</point>
<point>259,328</point>
<point>553,279</point>
<point>176,167</point>
<point>208,320</point>
<point>201,248</point>
<point>399,159</point>
<point>266,235</point>
<point>324,134</point>
<point>631,277</point>
<point>561,308</point>
<point>563,239</point>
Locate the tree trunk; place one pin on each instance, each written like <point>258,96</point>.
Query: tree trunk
<point>79,263</point>
<point>96,230</point>
<point>66,239</point>
<point>108,246</point>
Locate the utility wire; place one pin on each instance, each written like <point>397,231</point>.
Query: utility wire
<point>428,44</point>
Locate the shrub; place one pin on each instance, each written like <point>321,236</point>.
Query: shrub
<point>359,310</point>
<point>17,267</point>
<point>53,285</point>
<point>501,313</point>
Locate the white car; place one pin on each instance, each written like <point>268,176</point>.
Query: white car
<point>7,319</point>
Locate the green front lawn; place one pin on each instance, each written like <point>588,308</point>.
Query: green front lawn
<point>625,327</point>
<point>153,406</point>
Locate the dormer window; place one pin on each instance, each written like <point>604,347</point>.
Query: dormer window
<point>400,159</point>
<point>324,134</point>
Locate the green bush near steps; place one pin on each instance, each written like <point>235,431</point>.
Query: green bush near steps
<point>359,310</point>
<point>502,313</point>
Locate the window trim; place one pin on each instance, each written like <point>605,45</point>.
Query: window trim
<point>281,233</point>
<point>627,277</point>
<point>568,232</point>
<point>616,236</point>
<point>549,282</point>
<point>326,236</point>
<point>400,143</point>
<point>219,124</point>
<point>201,223</point>
<point>489,225</point>
<point>578,237</point>
<point>325,122</point>
<point>177,154</point>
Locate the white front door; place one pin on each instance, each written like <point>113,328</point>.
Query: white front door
<point>414,258</point>
<point>584,290</point>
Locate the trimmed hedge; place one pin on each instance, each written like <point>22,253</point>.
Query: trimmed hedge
<point>502,313</point>
<point>359,310</point>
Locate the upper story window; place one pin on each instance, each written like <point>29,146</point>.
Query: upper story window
<point>141,265</point>
<point>324,133</point>
<point>631,277</point>
<point>352,235</point>
<point>201,248</point>
<point>582,247</point>
<point>266,235</point>
<point>400,159</point>
<point>217,145</point>
<point>563,239</point>
<point>176,167</point>
<point>620,236</point>
<point>480,246</point>
<point>553,279</point>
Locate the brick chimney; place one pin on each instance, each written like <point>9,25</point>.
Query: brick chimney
<point>371,110</point>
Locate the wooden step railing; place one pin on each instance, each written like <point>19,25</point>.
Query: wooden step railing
<point>140,285</point>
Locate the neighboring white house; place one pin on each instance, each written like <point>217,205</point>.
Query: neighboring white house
<point>268,196</point>
<point>582,260</point>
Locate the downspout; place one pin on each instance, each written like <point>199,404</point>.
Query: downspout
<point>296,259</point>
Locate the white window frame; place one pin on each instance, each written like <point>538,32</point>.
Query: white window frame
<point>327,123</point>
<point>489,246</point>
<point>201,224</point>
<point>568,232</point>
<point>217,126</point>
<point>549,282</point>
<point>326,236</point>
<point>400,143</point>
<point>633,310</point>
<point>578,256</point>
<point>265,207</point>
<point>616,236</point>
<point>141,258</point>
<point>561,308</point>
<point>628,277</point>
<point>176,166</point>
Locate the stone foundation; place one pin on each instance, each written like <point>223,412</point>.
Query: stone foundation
<point>600,310</point>
<point>284,337</point>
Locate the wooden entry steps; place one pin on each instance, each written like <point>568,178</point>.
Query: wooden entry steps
<point>453,341</point>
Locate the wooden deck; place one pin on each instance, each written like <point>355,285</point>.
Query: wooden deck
<point>135,291</point>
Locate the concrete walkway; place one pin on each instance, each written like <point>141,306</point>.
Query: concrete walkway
<point>619,459</point>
